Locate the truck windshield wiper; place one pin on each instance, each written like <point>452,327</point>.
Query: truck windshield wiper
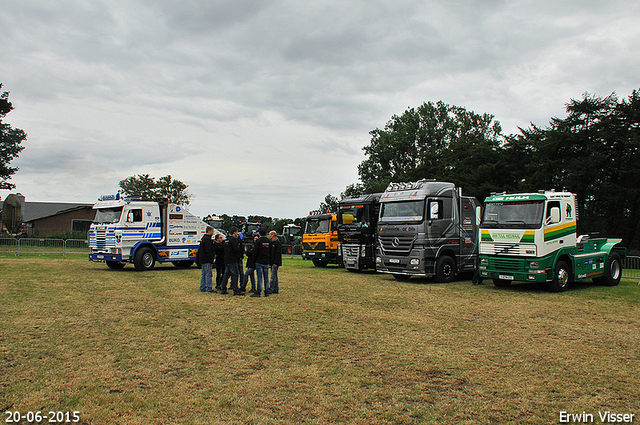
<point>516,221</point>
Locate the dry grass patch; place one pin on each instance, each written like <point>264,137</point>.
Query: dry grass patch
<point>124,347</point>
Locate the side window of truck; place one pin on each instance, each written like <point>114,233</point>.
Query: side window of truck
<point>134,216</point>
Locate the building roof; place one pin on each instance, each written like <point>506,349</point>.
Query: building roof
<point>37,210</point>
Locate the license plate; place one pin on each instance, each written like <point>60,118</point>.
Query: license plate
<point>505,277</point>
<point>394,260</point>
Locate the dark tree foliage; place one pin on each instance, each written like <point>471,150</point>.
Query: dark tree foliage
<point>148,189</point>
<point>10,140</point>
<point>594,152</point>
<point>436,141</point>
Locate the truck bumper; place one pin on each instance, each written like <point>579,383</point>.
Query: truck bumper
<point>515,269</point>
<point>97,256</point>
<point>410,266</point>
<point>329,257</point>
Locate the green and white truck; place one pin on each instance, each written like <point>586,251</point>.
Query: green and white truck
<point>532,237</point>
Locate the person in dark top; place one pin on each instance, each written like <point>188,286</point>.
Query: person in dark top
<point>275,261</point>
<point>232,254</point>
<point>206,256</point>
<point>251,267</point>
<point>261,256</point>
<point>218,247</point>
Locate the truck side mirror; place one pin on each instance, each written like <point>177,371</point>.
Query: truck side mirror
<point>434,211</point>
<point>478,215</point>
<point>555,215</point>
<point>130,217</point>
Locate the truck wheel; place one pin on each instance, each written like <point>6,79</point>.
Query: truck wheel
<point>115,265</point>
<point>561,278</point>
<point>445,269</point>
<point>319,263</point>
<point>613,271</point>
<point>144,260</point>
<point>501,283</point>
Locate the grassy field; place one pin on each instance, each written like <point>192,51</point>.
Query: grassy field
<point>126,347</point>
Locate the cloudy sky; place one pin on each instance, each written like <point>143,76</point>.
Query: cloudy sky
<point>263,106</point>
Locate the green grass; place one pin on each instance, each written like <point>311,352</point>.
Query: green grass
<point>126,347</point>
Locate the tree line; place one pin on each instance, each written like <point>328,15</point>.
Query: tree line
<point>594,152</point>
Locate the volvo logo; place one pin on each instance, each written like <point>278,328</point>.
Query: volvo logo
<point>395,242</point>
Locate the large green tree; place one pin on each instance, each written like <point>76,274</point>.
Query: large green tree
<point>10,143</point>
<point>148,189</point>
<point>595,153</point>
<point>438,141</point>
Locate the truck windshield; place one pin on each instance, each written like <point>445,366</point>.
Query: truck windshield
<point>111,215</point>
<point>402,211</point>
<point>357,215</point>
<point>525,215</point>
<point>317,226</point>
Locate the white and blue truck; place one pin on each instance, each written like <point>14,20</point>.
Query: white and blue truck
<point>127,230</point>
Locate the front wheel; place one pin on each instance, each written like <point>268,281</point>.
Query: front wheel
<point>445,269</point>
<point>144,259</point>
<point>561,278</point>
<point>613,271</point>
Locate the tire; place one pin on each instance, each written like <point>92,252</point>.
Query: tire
<point>561,278</point>
<point>319,263</point>
<point>183,264</point>
<point>501,283</point>
<point>115,265</point>
<point>613,271</point>
<point>144,259</point>
<point>445,269</point>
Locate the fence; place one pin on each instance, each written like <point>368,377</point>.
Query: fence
<point>631,267</point>
<point>43,246</point>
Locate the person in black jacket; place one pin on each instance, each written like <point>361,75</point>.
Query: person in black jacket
<point>205,257</point>
<point>261,258</point>
<point>275,261</point>
<point>218,247</point>
<point>232,254</point>
<point>251,267</point>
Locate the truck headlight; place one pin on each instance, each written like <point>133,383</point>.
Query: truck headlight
<point>414,262</point>
<point>534,264</point>
<point>484,261</point>
<point>378,260</point>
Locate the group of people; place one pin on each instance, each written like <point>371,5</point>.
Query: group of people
<point>264,255</point>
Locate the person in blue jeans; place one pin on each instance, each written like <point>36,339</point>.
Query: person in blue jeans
<point>261,253</point>
<point>275,260</point>
<point>251,267</point>
<point>232,256</point>
<point>205,257</point>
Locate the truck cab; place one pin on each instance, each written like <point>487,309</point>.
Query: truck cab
<point>357,231</point>
<point>320,239</point>
<point>532,237</point>
<point>127,230</point>
<point>427,228</point>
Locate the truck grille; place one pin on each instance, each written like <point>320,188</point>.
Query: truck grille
<point>506,264</point>
<point>396,245</point>
<point>351,251</point>
<point>101,239</point>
